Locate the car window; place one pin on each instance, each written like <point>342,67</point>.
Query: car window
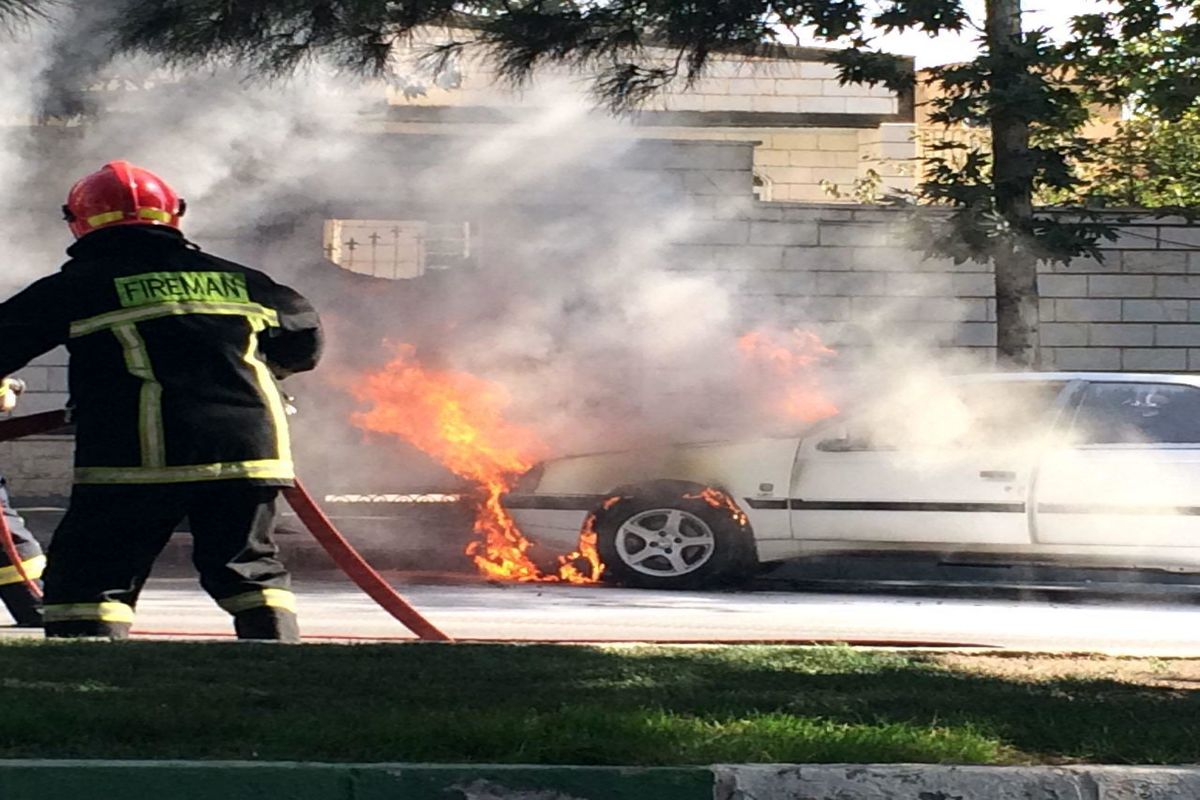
<point>1132,413</point>
<point>969,415</point>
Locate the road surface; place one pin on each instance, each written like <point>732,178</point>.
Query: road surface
<point>333,609</point>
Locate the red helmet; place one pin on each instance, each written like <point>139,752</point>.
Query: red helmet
<point>121,194</point>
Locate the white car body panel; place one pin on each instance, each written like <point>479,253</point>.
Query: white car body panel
<point>1135,505</point>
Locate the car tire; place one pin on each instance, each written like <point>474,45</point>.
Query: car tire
<point>669,540</point>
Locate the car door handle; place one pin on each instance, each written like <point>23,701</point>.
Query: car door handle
<point>997,475</point>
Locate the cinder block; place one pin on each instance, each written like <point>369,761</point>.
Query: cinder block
<point>772,158</point>
<point>792,141</point>
<point>772,103</point>
<point>752,86</point>
<point>838,141</point>
<point>1154,359</point>
<point>1084,358</point>
<point>975,334</point>
<point>778,282</point>
<point>1135,237</point>
<point>1177,336</point>
<point>797,86</point>
<point>834,234</point>
<point>871,105</point>
<point>897,259</point>
<point>919,284</point>
<point>976,310</point>
<point>744,258</point>
<point>783,233</point>
<point>941,309</point>
<point>1120,286</point>
<point>834,87</point>
<point>1193,262</point>
<point>789,175</point>
<point>756,308</point>
<point>720,232</point>
<point>818,158</point>
<point>718,182</point>
<point>1177,286</point>
<point>1063,285</point>
<point>58,379</point>
<point>1155,311</point>
<point>828,309</point>
<point>823,105</point>
<point>1150,262</point>
<point>1121,335</point>
<point>55,358</point>
<point>37,379</point>
<point>1045,309</point>
<point>1179,237</point>
<point>1087,310</point>
<point>1194,360</point>
<point>1064,334</point>
<point>825,259</point>
<point>973,285</point>
<point>851,283</point>
<point>817,70</point>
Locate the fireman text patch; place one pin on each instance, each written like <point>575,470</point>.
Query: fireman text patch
<point>181,287</point>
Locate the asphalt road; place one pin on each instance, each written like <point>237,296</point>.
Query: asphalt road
<point>333,609</point>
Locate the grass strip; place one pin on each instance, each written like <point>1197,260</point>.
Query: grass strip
<point>548,704</point>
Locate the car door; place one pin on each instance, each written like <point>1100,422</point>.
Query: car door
<point>1128,475</point>
<point>957,471</point>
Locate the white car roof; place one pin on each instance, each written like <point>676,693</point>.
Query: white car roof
<point>1107,377</point>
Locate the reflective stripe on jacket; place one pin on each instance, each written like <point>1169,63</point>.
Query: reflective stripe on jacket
<point>173,358</point>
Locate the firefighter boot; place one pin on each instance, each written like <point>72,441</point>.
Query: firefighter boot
<point>23,604</point>
<point>267,623</point>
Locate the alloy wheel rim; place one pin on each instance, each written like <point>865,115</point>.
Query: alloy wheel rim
<point>665,542</point>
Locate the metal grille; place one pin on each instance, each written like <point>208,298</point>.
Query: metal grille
<point>398,249</point>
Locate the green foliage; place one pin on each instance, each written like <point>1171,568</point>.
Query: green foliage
<point>14,12</point>
<point>1151,162</point>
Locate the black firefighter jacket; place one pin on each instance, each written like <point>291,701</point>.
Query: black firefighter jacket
<point>173,358</point>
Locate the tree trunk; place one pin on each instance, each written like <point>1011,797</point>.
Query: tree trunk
<point>1017,339</point>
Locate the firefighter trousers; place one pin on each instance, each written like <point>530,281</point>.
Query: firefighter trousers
<point>103,549</point>
<point>21,601</point>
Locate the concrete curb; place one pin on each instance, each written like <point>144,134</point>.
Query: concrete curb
<point>240,780</point>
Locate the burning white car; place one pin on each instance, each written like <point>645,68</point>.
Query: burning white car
<point>1096,468</point>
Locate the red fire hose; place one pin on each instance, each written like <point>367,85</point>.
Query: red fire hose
<point>319,525</point>
<point>356,567</point>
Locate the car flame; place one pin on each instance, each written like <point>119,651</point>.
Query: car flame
<point>458,419</point>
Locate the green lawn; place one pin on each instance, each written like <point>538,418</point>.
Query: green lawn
<point>545,704</point>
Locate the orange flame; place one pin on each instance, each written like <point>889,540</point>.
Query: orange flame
<point>568,572</point>
<point>458,419</point>
<point>718,499</point>
<point>793,359</point>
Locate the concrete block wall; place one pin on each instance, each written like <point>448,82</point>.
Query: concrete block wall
<point>773,85</point>
<point>795,161</point>
<point>39,467</point>
<point>846,273</point>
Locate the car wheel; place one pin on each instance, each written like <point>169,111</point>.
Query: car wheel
<point>673,542</point>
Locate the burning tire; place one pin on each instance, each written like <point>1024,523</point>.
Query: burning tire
<point>679,540</point>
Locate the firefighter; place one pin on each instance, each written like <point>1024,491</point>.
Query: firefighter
<point>23,602</point>
<point>174,357</point>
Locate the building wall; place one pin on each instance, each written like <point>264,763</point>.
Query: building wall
<point>808,129</point>
<point>842,271</point>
